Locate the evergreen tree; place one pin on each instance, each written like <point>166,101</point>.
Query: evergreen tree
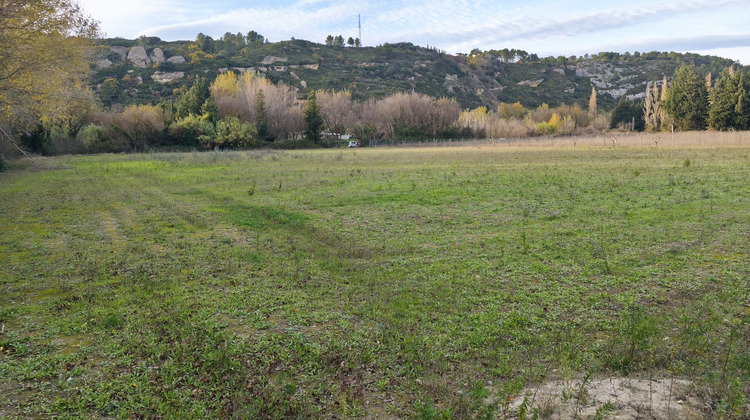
<point>255,38</point>
<point>192,100</point>
<point>687,99</point>
<point>629,114</point>
<point>664,119</point>
<point>261,117</point>
<point>313,120</point>
<point>209,111</point>
<point>723,103</point>
<point>742,109</point>
<point>730,105</point>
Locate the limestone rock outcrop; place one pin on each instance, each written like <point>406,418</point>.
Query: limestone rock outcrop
<point>178,59</point>
<point>138,57</point>
<point>167,77</point>
<point>157,55</point>
<point>103,64</point>
<point>270,59</point>
<point>122,51</point>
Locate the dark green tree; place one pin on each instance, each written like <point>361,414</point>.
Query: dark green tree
<point>209,111</point>
<point>742,109</point>
<point>687,99</point>
<point>313,120</point>
<point>192,100</point>
<point>255,38</point>
<point>261,117</point>
<point>109,92</point>
<point>730,102</point>
<point>204,42</point>
<point>239,41</point>
<point>629,114</point>
<point>387,49</point>
<point>722,114</point>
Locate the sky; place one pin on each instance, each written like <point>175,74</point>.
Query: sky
<point>544,27</point>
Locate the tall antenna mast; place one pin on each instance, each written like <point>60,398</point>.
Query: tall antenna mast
<point>359,17</point>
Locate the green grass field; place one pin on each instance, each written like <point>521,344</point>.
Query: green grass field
<point>429,283</point>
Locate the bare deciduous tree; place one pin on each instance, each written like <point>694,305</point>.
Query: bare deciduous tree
<point>337,111</point>
<point>238,95</point>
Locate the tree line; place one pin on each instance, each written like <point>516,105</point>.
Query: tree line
<point>46,107</point>
<point>690,102</point>
<point>338,41</point>
<point>247,110</point>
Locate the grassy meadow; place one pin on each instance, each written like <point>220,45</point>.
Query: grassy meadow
<point>378,283</point>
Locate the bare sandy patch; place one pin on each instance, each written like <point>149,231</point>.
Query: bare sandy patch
<point>614,398</point>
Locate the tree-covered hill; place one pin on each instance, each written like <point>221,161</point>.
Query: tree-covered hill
<point>481,78</point>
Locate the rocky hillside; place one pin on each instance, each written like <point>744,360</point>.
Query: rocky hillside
<point>148,70</point>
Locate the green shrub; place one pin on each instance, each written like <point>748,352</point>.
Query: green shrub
<point>190,130</point>
<point>232,132</point>
<point>3,164</point>
<point>62,142</point>
<point>96,139</point>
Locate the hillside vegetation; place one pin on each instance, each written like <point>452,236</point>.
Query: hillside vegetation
<point>477,79</point>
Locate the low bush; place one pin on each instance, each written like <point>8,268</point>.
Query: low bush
<point>97,139</point>
<point>191,131</point>
<point>62,142</point>
<point>232,132</point>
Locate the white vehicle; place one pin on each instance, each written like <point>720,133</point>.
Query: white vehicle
<point>353,143</point>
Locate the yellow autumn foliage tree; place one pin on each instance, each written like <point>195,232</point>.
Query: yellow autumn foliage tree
<point>44,61</point>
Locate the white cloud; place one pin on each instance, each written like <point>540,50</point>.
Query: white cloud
<point>460,29</point>
<point>539,26</point>
<point>741,54</point>
<point>272,23</point>
<point>127,18</point>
